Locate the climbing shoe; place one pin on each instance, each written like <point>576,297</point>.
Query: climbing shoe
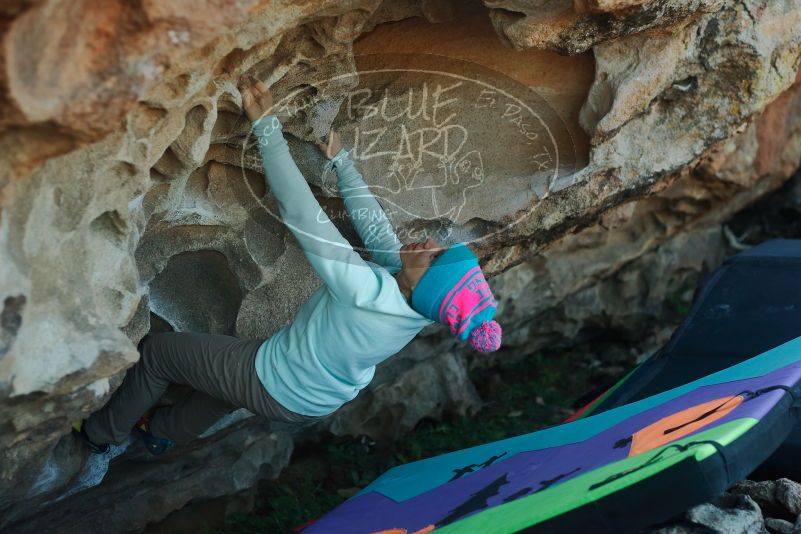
<point>80,432</point>
<point>154,445</point>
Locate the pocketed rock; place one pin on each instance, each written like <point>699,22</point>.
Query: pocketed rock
<point>762,492</point>
<point>748,506</point>
<point>788,494</point>
<point>733,514</point>
<point>389,409</point>
<point>573,26</point>
<point>230,462</point>
<point>778,526</point>
<point>779,498</point>
<point>680,529</point>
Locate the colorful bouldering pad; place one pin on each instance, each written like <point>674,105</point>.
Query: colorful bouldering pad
<point>616,471</point>
<point>747,306</point>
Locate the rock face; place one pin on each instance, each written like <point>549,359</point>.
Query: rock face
<point>758,507</point>
<point>131,194</point>
<point>573,26</point>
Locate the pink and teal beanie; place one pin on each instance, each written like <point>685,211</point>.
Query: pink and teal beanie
<point>454,292</point>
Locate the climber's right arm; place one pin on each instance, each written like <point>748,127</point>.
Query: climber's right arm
<point>348,276</point>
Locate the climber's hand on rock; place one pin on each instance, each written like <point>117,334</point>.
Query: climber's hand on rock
<point>256,97</point>
<point>331,144</point>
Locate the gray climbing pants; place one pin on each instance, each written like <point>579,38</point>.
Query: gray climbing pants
<point>220,369</point>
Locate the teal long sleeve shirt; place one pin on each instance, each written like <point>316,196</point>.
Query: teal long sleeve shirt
<point>358,317</point>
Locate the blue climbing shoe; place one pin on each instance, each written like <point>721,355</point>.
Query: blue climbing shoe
<point>154,445</point>
<point>80,432</point>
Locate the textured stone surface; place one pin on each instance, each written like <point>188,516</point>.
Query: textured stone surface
<point>762,492</point>
<point>679,67</point>
<point>128,186</point>
<point>747,507</point>
<point>573,26</point>
<point>735,514</point>
<point>778,526</point>
<point>780,497</point>
<point>390,409</point>
<point>229,462</point>
<point>788,493</point>
<point>663,128</point>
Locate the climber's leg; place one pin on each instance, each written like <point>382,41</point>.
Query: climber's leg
<point>225,379</point>
<point>213,364</point>
<point>222,367</point>
<point>144,383</point>
<point>188,418</point>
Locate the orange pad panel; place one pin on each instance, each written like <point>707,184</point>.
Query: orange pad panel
<point>682,423</point>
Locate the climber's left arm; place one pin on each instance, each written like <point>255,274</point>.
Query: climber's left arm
<point>366,214</point>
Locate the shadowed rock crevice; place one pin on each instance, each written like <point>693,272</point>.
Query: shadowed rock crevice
<point>197,292</point>
<point>111,225</point>
<point>10,321</point>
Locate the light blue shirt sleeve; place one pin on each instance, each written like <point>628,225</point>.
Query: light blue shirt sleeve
<point>366,214</point>
<point>349,278</point>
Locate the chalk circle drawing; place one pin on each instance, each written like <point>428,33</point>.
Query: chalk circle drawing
<point>440,142</point>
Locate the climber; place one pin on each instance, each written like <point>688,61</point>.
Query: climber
<point>362,314</point>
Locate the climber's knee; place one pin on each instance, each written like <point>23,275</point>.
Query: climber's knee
<point>150,356</point>
<point>142,342</point>
<point>145,348</point>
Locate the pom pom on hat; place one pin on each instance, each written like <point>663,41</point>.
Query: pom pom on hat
<point>486,337</point>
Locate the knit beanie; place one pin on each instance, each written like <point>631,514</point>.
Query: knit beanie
<point>454,292</point>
